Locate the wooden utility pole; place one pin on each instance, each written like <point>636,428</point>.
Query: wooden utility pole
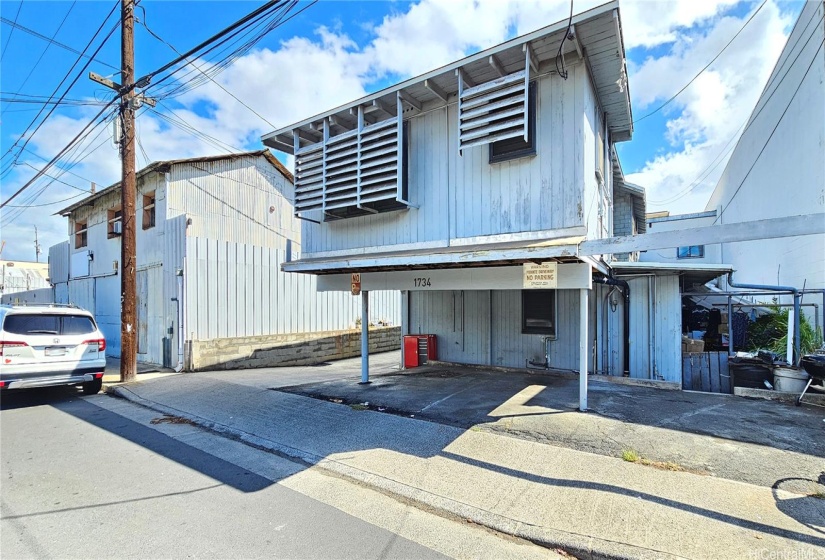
<point>130,101</point>
<point>128,193</point>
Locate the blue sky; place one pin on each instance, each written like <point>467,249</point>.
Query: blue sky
<point>335,51</point>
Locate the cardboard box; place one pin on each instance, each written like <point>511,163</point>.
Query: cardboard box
<point>690,345</point>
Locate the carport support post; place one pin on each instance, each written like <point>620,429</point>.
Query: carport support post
<point>365,337</point>
<point>583,331</point>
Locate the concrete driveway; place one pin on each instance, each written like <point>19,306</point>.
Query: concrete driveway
<point>760,442</point>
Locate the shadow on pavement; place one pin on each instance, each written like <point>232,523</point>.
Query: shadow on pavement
<point>218,469</point>
<point>805,509</point>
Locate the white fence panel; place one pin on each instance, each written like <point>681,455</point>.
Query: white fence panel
<point>238,290</point>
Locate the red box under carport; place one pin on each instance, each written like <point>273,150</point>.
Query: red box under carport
<point>419,349</point>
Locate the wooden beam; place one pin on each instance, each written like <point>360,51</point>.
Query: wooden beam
<point>354,111</point>
<point>409,100</point>
<point>378,105</point>
<point>771,228</point>
<point>437,91</point>
<point>340,121</point>
<point>494,62</point>
<point>464,78</point>
<point>534,63</point>
<point>310,136</point>
<point>575,39</point>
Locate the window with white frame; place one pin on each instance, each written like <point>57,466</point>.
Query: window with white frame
<point>114,220</point>
<point>691,252</point>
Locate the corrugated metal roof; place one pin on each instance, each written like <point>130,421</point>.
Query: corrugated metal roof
<point>598,36</point>
<point>162,166</point>
<point>693,273</point>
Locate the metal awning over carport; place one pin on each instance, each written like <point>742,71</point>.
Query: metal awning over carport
<point>692,274</point>
<point>498,266</point>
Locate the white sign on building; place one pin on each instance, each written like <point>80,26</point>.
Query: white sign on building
<point>540,276</point>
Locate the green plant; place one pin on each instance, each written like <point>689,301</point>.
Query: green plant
<point>770,332</point>
<point>630,456</point>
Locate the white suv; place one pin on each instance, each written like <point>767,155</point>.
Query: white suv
<point>47,345</point>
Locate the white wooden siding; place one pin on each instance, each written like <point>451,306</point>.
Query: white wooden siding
<point>465,195</point>
<point>235,290</point>
<point>484,327</point>
<point>655,328</point>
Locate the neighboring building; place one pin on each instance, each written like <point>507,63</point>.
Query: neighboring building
<point>664,221</point>
<point>212,233</point>
<point>777,168</point>
<point>456,185</point>
<point>24,282</point>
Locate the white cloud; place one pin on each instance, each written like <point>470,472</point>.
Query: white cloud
<point>705,119</point>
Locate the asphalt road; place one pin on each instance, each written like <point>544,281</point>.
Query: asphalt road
<point>97,477</point>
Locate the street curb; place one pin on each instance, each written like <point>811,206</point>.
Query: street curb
<point>582,546</point>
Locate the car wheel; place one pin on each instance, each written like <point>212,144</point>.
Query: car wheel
<point>92,387</point>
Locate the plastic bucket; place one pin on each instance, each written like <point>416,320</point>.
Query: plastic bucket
<point>789,380</point>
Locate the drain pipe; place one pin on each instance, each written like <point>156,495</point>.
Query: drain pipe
<point>610,281</point>
<point>793,360</point>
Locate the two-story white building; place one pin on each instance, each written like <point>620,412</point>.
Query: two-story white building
<point>212,233</point>
<point>473,188</point>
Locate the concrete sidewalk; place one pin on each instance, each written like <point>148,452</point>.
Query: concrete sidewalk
<point>588,504</point>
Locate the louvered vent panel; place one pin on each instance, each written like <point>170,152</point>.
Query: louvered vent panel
<point>379,162</point>
<point>493,111</point>
<point>309,178</point>
<point>352,174</point>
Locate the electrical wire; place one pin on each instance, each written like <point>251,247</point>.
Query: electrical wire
<point>51,41</point>
<point>14,25</point>
<point>666,103</point>
<point>228,43</point>
<point>563,71</point>
<point>754,116</point>
<point>27,137</point>
<point>222,37</point>
<point>76,156</point>
<point>19,7</point>
<point>195,65</point>
<point>59,155</point>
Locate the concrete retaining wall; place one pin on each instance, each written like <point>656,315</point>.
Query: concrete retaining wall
<point>287,349</point>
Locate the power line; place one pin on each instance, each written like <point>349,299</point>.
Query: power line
<point>26,137</point>
<point>19,7</point>
<point>666,103</point>
<point>14,25</point>
<point>59,155</point>
<point>51,40</point>
<point>146,80</point>
<point>234,38</point>
<point>204,73</point>
<point>77,156</point>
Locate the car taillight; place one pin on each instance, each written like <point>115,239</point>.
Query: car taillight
<point>10,344</point>
<point>101,343</point>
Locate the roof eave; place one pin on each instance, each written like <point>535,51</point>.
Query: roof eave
<point>285,144</point>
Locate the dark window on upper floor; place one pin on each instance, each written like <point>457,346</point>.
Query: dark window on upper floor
<point>513,148</point>
<point>81,235</point>
<point>149,210</point>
